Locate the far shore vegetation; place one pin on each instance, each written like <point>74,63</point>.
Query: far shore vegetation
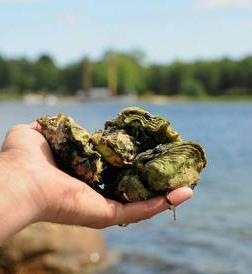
<point>128,73</point>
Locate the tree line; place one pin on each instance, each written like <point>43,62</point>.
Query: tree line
<point>125,73</point>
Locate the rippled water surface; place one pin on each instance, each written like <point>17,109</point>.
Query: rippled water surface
<point>213,233</point>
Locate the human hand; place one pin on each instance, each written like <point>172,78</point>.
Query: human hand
<point>51,195</point>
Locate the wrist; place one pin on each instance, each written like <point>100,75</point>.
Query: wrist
<point>17,208</point>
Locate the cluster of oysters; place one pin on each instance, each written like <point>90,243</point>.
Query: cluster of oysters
<point>136,157</point>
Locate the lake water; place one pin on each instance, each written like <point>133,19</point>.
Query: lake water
<point>213,233</point>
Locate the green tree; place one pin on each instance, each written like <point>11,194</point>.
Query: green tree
<point>46,74</point>
<point>112,74</point>
<point>100,69</point>
<point>4,73</point>
<point>87,75</point>
<point>71,78</point>
<point>192,87</point>
<point>125,72</point>
<point>155,79</point>
<point>208,74</point>
<point>245,74</point>
<point>177,73</point>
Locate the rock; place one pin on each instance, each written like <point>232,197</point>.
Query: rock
<point>44,248</point>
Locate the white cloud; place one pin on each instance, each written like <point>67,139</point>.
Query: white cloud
<point>220,4</point>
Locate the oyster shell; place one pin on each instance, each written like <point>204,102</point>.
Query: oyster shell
<point>115,146</point>
<point>127,187</point>
<point>71,147</point>
<point>147,129</point>
<point>170,166</point>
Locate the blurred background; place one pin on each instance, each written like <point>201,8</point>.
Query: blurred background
<point>189,61</point>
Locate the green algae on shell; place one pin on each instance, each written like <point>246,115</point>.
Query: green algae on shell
<point>115,146</point>
<point>147,129</point>
<point>170,166</point>
<point>71,147</point>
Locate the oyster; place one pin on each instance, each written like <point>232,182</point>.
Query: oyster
<point>71,147</point>
<point>170,166</point>
<point>115,146</point>
<point>127,187</point>
<point>147,129</point>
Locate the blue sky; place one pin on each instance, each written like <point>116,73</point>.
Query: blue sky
<point>164,29</point>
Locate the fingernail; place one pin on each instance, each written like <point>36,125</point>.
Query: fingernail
<point>168,201</point>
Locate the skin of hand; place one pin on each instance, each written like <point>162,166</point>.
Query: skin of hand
<point>33,189</point>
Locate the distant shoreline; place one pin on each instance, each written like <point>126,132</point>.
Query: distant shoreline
<point>156,99</point>
<point>161,99</point>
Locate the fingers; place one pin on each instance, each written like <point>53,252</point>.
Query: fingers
<point>76,203</point>
<point>26,137</point>
<point>34,125</point>
<point>16,128</point>
<point>134,212</point>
